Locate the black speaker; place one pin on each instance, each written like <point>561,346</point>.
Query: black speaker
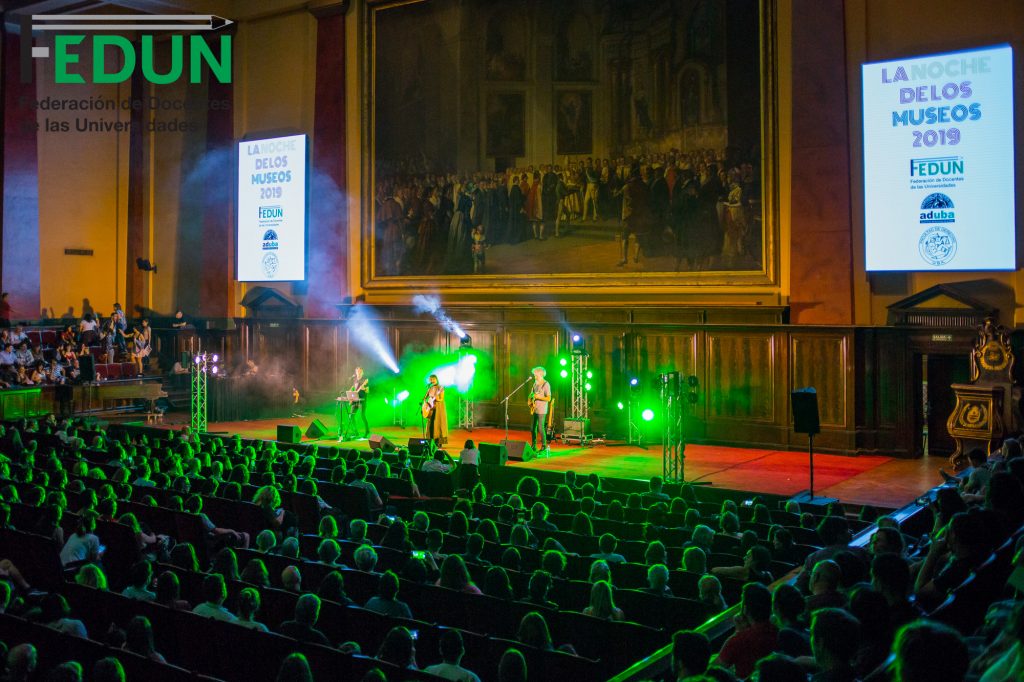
<point>316,429</point>
<point>379,441</point>
<point>419,447</point>
<point>805,411</point>
<point>287,433</point>
<point>492,454</point>
<point>87,368</point>
<point>518,450</point>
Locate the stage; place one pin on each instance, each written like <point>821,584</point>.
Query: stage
<point>875,480</point>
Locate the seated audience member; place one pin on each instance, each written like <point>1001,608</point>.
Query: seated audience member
<point>887,541</point>
<point>835,536</point>
<point>695,560</point>
<point>537,592</point>
<point>332,588</point>
<point>754,569</point>
<point>22,661</point>
<point>83,545</point>
<point>951,559</point>
<point>691,653</point>
<point>755,635</point>
<point>139,578</point>
<point>600,570</point>
<point>108,669</point>
<point>168,592</point>
<point>497,584</point>
<point>927,651</point>
<point>139,639</point>
<point>455,576</point>
<point>512,666</point>
<point>871,610</point>
<point>780,668</point>
<point>295,668</point>
<point>788,609</point>
<point>452,651</point>
<point>602,604</point>
<point>824,584</point>
<point>890,575</point>
<point>214,594</point>
<point>91,575</point>
<point>607,544</point>
<point>533,631</point>
<point>554,562</point>
<point>372,496</point>
<point>539,518</point>
<point>703,537</point>
<point>709,590</point>
<point>655,553</point>
<point>398,649</point>
<point>303,626</point>
<point>291,579</point>
<point>441,463</point>
<point>386,601</point>
<point>474,549</point>
<point>365,559</point>
<point>657,581</point>
<point>55,613</point>
<point>1003,659</point>
<point>654,490</point>
<point>357,530</point>
<point>835,636</point>
<point>248,606</point>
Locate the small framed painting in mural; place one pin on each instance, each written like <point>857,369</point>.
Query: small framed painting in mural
<point>506,124</point>
<point>551,145</point>
<point>574,123</point>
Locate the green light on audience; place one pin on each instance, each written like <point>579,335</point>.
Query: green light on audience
<point>647,414</point>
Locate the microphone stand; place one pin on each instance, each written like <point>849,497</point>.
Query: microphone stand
<point>508,397</point>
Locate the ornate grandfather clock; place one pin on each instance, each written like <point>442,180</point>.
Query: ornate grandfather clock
<point>987,408</point>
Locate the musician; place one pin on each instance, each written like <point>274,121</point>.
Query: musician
<point>436,426</point>
<point>361,385</point>
<point>540,396</point>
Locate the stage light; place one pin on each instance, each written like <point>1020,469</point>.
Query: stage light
<point>214,370</point>
<point>634,382</point>
<point>465,341</point>
<point>578,343</point>
<point>590,375</point>
<point>563,362</point>
<point>367,334</point>
<point>564,373</point>
<point>215,358</point>
<point>620,405</point>
<point>647,414</point>
<point>587,386</point>
<point>458,374</point>
<point>198,359</point>
<point>402,395</point>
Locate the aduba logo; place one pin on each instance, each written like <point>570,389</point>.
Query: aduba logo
<point>270,242</point>
<point>937,208</point>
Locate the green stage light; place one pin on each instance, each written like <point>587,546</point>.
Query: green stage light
<point>620,405</point>
<point>647,414</point>
<point>563,373</point>
<point>587,386</point>
<point>563,362</point>
<point>590,375</point>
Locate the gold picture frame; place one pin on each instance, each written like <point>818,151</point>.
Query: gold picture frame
<point>576,286</point>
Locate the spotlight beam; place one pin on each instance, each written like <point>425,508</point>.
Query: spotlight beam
<point>366,334</point>
<point>432,305</point>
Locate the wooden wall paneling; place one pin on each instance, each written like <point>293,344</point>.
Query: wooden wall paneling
<point>322,364</point>
<point>607,361</point>
<point>524,349</point>
<point>823,360</point>
<point>741,387</point>
<point>658,350</point>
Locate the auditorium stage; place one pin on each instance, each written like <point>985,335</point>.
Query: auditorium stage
<point>874,480</point>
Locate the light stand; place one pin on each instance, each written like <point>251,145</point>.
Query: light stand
<point>634,434</point>
<point>466,406</point>
<point>202,364</point>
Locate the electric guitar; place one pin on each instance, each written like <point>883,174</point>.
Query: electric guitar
<point>534,399</point>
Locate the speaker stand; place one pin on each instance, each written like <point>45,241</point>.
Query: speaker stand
<point>807,496</point>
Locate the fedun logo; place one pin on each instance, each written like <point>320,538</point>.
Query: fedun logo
<point>940,165</point>
<point>114,58</point>
<point>937,245</point>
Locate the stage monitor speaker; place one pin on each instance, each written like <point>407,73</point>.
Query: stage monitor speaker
<point>805,411</point>
<point>493,455</point>
<point>419,447</point>
<point>576,428</point>
<point>87,368</point>
<point>316,429</point>
<point>379,441</point>
<point>286,433</point>
<point>519,450</point>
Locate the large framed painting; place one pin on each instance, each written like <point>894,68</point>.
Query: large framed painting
<point>530,145</point>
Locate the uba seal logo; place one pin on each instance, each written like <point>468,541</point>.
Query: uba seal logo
<point>270,264</point>
<point>937,245</point>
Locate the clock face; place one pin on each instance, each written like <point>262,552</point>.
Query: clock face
<point>993,356</point>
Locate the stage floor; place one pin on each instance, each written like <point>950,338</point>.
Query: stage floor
<point>875,480</point>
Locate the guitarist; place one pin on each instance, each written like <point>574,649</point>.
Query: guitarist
<point>360,384</point>
<point>540,396</point>
<point>435,426</point>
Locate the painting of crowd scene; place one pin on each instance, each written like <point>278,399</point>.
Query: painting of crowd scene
<point>540,137</point>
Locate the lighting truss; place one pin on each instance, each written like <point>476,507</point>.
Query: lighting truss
<point>202,365</point>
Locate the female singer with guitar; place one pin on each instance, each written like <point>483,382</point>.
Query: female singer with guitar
<point>360,384</point>
<point>436,425</point>
<point>540,396</point>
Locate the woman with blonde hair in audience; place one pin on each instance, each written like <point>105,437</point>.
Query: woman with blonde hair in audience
<point>91,575</point>
<point>602,605</point>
